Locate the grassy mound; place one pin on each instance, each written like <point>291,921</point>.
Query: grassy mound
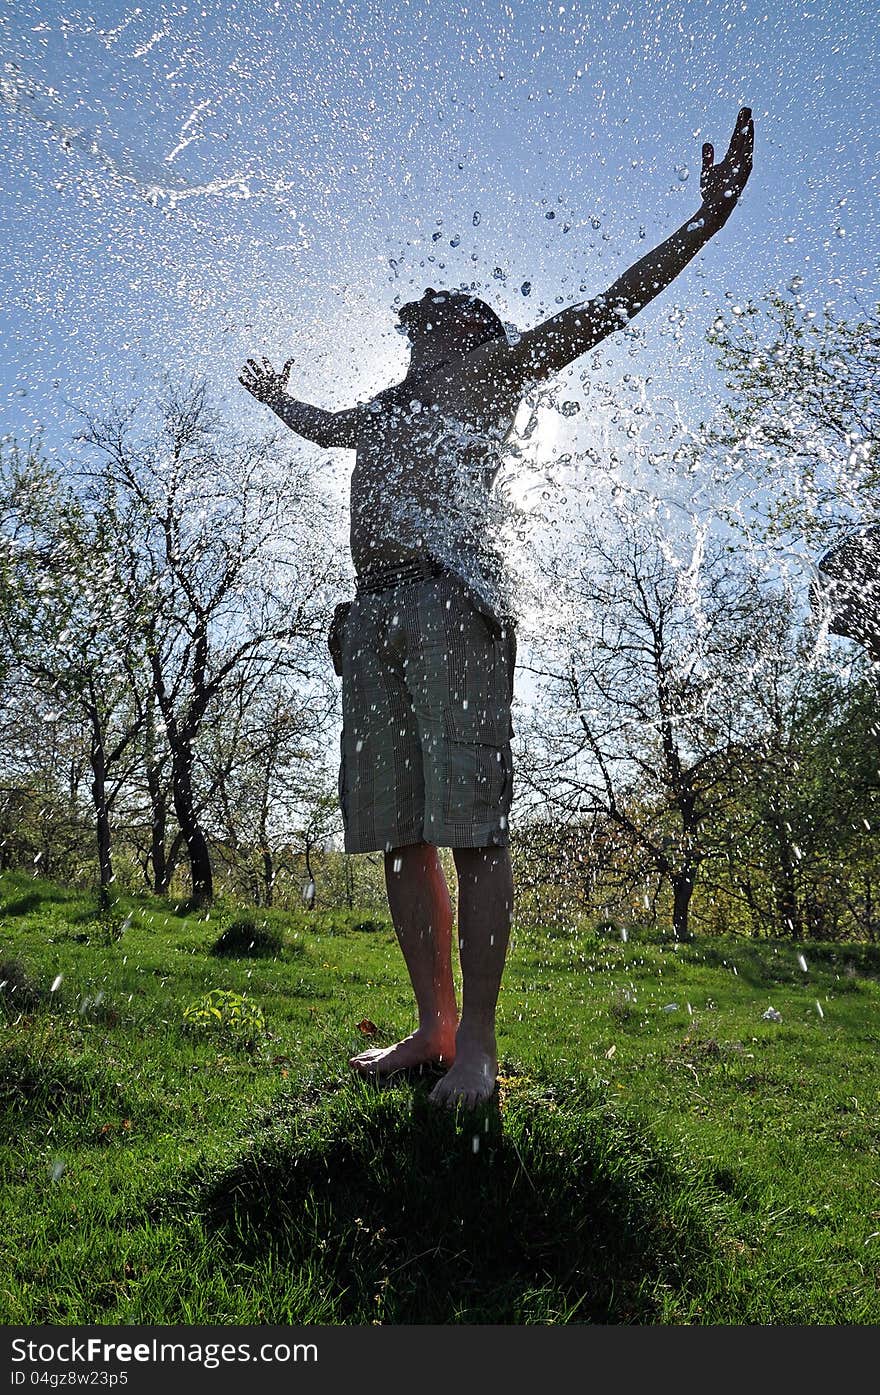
<point>245,939</point>
<point>19,990</point>
<point>552,1208</point>
<point>44,1073</point>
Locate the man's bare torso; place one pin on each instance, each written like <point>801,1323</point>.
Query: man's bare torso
<point>428,450</point>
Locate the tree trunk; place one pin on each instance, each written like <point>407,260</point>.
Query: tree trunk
<point>98,763</point>
<point>158,857</point>
<point>158,792</point>
<point>171,860</point>
<point>193,834</point>
<point>158,828</point>
<point>682,891</point>
<point>310,886</point>
<point>787,905</point>
<point>268,875</point>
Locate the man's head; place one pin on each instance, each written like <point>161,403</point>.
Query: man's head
<point>460,320</point>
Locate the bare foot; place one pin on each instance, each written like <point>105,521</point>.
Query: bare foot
<point>419,1049</point>
<point>471,1080</point>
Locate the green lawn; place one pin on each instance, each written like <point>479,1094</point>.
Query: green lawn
<point>659,1152</point>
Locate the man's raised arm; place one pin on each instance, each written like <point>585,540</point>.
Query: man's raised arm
<point>564,337</point>
<point>270,387</point>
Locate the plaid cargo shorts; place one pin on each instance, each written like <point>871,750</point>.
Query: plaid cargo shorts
<point>425,743</point>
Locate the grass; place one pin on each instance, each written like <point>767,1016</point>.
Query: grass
<point>659,1152</point>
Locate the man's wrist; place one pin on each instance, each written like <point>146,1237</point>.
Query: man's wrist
<point>711,217</point>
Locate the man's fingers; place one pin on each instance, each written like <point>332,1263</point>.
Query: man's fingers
<point>749,139</point>
<point>267,367</point>
<point>743,132</point>
<point>708,157</point>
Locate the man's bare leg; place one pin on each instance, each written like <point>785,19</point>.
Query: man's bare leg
<point>485,910</point>
<point>422,913</point>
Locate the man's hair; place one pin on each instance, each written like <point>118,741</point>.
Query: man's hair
<point>479,310</point>
<point>463,301</point>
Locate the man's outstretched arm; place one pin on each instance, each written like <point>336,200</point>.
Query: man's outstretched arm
<point>270,387</point>
<point>564,337</point>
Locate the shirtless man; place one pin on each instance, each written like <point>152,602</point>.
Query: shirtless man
<point>428,646</point>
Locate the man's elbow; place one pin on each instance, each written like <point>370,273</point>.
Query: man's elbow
<point>338,431</point>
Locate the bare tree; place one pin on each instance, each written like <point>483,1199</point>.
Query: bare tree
<point>224,541</point>
<point>641,723</point>
<point>68,631</point>
<point>265,763</point>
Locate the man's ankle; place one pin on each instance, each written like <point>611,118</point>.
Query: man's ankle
<point>477,1032</point>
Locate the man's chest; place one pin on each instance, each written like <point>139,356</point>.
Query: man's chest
<point>436,414</point>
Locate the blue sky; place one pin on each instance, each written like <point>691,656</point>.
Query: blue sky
<point>186,184</point>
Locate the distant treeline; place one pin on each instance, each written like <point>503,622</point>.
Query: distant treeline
<point>697,755</point>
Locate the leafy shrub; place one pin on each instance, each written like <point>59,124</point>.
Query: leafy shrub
<point>228,1015</point>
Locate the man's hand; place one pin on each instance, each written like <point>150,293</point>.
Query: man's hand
<point>721,185</point>
<point>265,383</point>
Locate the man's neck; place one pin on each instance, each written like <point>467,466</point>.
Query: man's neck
<point>422,365</point>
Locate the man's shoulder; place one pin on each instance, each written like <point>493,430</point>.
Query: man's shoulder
<point>379,400</point>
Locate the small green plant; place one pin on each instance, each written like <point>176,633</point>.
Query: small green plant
<point>112,925</point>
<point>229,1015</point>
<point>103,927</point>
<point>244,939</point>
<point>622,1008</point>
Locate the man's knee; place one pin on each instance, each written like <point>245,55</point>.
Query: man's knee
<point>490,856</point>
<point>408,852</point>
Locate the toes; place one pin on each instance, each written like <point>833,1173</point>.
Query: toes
<point>363,1064</point>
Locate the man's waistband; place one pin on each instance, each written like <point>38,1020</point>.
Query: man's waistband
<point>383,578</point>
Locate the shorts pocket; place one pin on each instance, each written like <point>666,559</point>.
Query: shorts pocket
<point>479,783</point>
<point>487,724</point>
